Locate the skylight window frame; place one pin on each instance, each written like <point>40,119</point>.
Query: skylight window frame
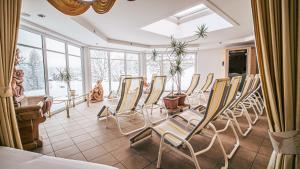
<point>191,11</point>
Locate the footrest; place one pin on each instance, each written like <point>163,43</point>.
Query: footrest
<point>141,135</point>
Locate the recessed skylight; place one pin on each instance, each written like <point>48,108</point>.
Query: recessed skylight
<point>190,11</point>
<point>184,24</point>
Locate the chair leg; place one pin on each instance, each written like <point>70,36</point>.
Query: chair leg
<point>155,122</point>
<point>161,147</point>
<point>234,119</point>
<point>224,153</point>
<point>237,140</point>
<point>253,108</point>
<point>132,131</point>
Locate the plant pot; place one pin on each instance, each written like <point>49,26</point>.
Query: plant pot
<point>171,102</point>
<point>181,99</point>
<point>72,92</point>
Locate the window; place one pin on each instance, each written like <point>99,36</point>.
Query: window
<point>55,45</point>
<point>188,66</point>
<point>153,66</point>
<point>132,64</point>
<point>57,57</point>
<point>188,70</point>
<point>99,69</point>
<point>30,39</point>
<point>31,63</point>
<point>56,62</point>
<point>166,69</point>
<point>117,64</point>
<point>74,54</point>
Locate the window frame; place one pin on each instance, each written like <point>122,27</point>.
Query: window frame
<point>44,56</point>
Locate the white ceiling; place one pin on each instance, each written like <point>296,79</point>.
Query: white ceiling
<point>122,24</point>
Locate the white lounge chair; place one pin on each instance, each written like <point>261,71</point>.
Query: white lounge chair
<point>176,136</point>
<point>131,92</point>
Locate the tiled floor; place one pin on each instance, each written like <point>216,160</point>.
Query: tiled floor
<point>84,137</point>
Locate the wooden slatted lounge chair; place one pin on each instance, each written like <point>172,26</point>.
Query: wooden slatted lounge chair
<point>157,88</point>
<point>176,136</point>
<point>131,92</point>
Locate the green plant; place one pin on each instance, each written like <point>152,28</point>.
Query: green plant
<point>177,53</point>
<point>64,75</point>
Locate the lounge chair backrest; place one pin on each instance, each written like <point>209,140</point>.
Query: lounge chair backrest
<point>215,104</point>
<point>120,83</point>
<point>132,88</point>
<point>193,85</point>
<point>209,80</point>
<point>256,82</point>
<point>156,89</point>
<point>247,86</point>
<point>234,87</point>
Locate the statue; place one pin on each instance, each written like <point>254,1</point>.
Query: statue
<point>96,95</point>
<point>17,80</point>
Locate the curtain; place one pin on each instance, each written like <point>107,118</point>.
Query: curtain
<point>277,37</point>
<point>77,7</point>
<point>9,24</point>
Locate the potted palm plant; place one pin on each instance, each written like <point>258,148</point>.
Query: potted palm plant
<point>64,75</point>
<point>176,56</point>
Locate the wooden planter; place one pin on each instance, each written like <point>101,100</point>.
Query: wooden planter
<point>171,102</point>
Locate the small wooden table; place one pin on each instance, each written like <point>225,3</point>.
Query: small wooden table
<point>70,101</point>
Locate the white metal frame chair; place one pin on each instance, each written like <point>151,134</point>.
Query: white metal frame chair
<point>175,136</point>
<point>157,88</point>
<point>192,87</point>
<point>131,91</point>
<point>193,118</point>
<point>254,100</point>
<point>205,87</point>
<point>117,94</point>
<point>237,109</point>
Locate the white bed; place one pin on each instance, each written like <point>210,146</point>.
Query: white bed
<point>18,159</point>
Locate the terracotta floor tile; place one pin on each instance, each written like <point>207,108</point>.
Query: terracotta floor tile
<point>78,156</point>
<point>62,144</point>
<point>120,166</point>
<point>83,137</point>
<point>123,153</point>
<point>88,144</point>
<point>94,152</point>
<point>260,161</point>
<point>135,162</point>
<point>67,152</point>
<point>107,159</point>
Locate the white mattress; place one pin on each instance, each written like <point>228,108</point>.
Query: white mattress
<point>18,159</point>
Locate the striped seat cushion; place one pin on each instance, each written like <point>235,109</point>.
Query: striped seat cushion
<point>172,127</point>
<point>191,114</point>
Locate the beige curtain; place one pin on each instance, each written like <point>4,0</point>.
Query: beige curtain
<point>9,24</point>
<point>277,33</point>
<point>77,7</point>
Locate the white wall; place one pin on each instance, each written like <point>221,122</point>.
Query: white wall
<point>210,60</point>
